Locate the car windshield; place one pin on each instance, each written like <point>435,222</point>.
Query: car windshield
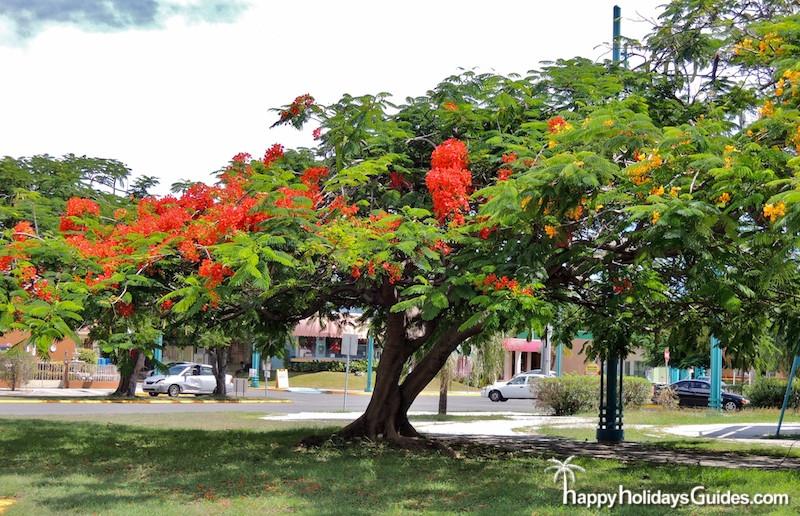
<point>175,369</point>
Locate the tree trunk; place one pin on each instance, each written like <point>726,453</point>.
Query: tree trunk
<point>444,380</point>
<point>127,382</point>
<point>220,370</point>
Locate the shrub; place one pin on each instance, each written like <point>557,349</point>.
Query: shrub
<point>87,355</point>
<point>667,398</point>
<point>16,368</point>
<point>316,366</point>
<point>636,391</point>
<point>570,394</point>
<point>769,392</point>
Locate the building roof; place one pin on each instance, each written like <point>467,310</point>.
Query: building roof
<point>315,327</point>
<point>516,344</point>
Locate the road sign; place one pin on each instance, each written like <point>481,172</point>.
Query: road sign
<point>592,368</point>
<point>283,378</point>
<point>349,344</point>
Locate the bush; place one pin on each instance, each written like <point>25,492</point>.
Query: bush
<point>636,391</point>
<point>87,355</point>
<point>667,398</point>
<point>16,368</point>
<point>316,366</point>
<point>571,393</point>
<point>769,392</point>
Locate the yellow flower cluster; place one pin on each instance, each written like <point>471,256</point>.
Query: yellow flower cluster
<point>768,109</point>
<point>793,76</point>
<point>655,217</point>
<point>659,191</point>
<point>575,213</point>
<point>724,199</point>
<point>745,45</point>
<point>638,172</point>
<point>674,191</point>
<point>772,42</point>
<point>774,211</point>
<point>550,230</point>
<point>796,139</point>
<point>729,149</point>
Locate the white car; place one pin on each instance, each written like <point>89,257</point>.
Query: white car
<point>522,386</point>
<point>183,378</point>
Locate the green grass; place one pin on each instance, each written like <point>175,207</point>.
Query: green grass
<point>60,467</point>
<point>334,380</point>
<point>662,417</point>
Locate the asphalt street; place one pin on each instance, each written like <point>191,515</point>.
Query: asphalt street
<point>300,402</point>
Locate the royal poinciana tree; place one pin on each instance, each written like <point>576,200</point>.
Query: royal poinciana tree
<point>491,204</point>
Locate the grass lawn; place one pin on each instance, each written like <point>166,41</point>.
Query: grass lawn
<point>334,380</point>
<point>74,467</point>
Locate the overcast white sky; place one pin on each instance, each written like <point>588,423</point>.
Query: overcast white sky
<point>177,95</point>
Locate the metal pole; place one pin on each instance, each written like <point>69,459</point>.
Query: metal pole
<point>616,34</point>
<point>795,365</point>
<point>370,354</point>
<point>559,359</point>
<point>346,377</point>
<point>715,398</point>
<point>158,351</point>
<point>255,361</point>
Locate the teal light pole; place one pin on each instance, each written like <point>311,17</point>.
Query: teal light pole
<point>559,359</point>
<point>159,349</point>
<point>715,398</point>
<point>795,365</point>
<point>370,354</point>
<point>609,429</point>
<point>255,363</point>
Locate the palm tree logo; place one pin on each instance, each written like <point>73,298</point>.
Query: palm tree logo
<point>565,469</point>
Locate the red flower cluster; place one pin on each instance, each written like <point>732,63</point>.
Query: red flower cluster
<point>397,181</point>
<point>273,154</point>
<point>504,173</point>
<point>214,272</point>
<point>506,283</point>
<point>298,106</point>
<point>449,181</point>
<point>339,203</point>
<point>167,305</point>
<point>77,207</point>
<point>125,309</point>
<point>355,272</point>
<point>442,247</point>
<point>310,179</point>
<point>22,231</point>
<point>509,158</point>
<point>394,271</point>
<point>556,124</point>
<point>622,285</point>
<point>317,133</point>
<point>486,232</point>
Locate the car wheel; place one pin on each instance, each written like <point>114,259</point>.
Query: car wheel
<point>153,394</point>
<point>730,406</point>
<point>496,396</point>
<point>174,391</point>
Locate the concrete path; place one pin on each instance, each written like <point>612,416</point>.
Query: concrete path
<point>755,433</point>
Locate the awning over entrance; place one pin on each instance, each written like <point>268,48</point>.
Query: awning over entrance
<point>316,328</point>
<point>512,344</point>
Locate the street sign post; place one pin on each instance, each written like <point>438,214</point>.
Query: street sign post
<point>349,347</point>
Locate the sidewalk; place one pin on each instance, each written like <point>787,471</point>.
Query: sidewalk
<point>101,396</point>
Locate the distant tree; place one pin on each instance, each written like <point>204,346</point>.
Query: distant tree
<point>141,186</point>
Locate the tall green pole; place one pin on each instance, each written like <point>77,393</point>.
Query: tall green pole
<point>715,397</point>
<point>559,359</point>
<point>255,363</point>
<point>616,34</point>
<point>370,354</point>
<point>158,351</point>
<point>795,365</point>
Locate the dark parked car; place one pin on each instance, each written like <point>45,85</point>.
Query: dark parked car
<point>695,393</point>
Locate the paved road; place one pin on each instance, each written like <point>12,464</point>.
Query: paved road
<point>301,402</point>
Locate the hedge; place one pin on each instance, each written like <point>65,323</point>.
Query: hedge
<point>769,392</point>
<point>316,366</point>
<point>571,394</point>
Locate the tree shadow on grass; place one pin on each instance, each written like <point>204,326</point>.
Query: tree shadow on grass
<point>98,468</point>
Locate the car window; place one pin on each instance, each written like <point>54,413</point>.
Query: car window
<point>532,379</point>
<point>681,385</point>
<point>703,386</point>
<point>196,370</point>
<point>207,371</point>
<point>175,370</point>
<point>517,381</point>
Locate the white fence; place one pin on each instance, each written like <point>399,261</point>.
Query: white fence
<point>77,371</point>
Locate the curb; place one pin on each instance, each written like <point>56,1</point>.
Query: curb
<point>143,401</point>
